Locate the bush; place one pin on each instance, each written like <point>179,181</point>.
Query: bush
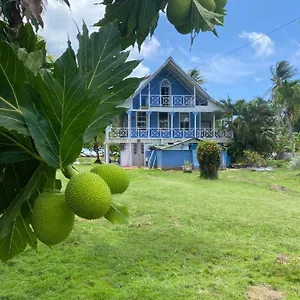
<point>277,163</point>
<point>208,155</point>
<point>295,164</point>
<point>253,159</point>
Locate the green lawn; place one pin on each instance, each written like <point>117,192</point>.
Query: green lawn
<point>189,239</point>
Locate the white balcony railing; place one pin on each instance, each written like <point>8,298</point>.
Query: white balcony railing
<point>175,133</point>
<point>167,101</point>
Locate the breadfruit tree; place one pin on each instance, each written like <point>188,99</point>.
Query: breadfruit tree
<point>48,110</point>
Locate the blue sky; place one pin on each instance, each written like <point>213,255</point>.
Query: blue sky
<point>242,75</point>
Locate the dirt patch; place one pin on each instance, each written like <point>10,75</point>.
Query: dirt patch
<point>264,292</point>
<point>282,259</point>
<point>142,221</point>
<point>278,188</point>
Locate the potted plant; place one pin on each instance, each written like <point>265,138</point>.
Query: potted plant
<point>188,167</point>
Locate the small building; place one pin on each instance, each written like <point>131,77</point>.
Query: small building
<point>168,107</point>
<point>173,157</point>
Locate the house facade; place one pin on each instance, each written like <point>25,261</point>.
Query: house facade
<point>168,107</point>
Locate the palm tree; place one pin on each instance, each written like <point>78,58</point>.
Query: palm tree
<point>197,76</point>
<point>287,97</point>
<point>282,71</point>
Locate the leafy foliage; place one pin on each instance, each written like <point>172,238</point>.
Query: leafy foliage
<point>208,155</point>
<point>137,19</point>
<point>253,127</point>
<point>45,114</point>
<point>253,159</point>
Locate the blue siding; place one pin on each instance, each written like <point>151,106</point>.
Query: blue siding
<point>173,159</point>
<point>154,120</point>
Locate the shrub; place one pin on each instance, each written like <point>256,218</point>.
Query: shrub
<point>253,159</point>
<point>277,163</point>
<point>208,155</point>
<point>295,164</point>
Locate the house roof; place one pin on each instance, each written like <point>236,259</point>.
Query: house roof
<point>166,147</point>
<point>184,77</point>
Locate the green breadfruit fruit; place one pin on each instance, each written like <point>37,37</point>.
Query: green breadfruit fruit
<point>221,3</point>
<point>178,11</point>
<point>210,5</point>
<point>186,28</point>
<point>88,195</point>
<point>52,218</point>
<point>115,176</point>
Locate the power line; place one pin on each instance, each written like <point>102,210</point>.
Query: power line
<point>247,44</point>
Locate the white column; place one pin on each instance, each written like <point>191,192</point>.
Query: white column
<point>130,154</point>
<point>214,125</point>
<point>106,154</point>
<point>149,94</point>
<point>172,125</point>
<point>140,99</point>
<point>129,124</point>
<point>149,123</point>
<point>194,96</point>
<point>195,125</point>
<point>199,125</point>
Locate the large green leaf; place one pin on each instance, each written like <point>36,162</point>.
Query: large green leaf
<point>20,184</point>
<point>63,109</point>
<point>118,214</point>
<point>13,91</point>
<point>105,67</point>
<point>15,147</point>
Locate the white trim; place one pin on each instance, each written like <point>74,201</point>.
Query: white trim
<point>170,87</point>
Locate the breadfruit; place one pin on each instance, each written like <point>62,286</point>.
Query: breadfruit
<point>186,28</point>
<point>208,4</point>
<point>221,12</point>
<point>116,177</point>
<point>178,11</point>
<point>88,196</point>
<point>52,218</point>
<point>221,3</point>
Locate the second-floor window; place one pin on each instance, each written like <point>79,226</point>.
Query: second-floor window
<point>184,120</point>
<point>165,92</point>
<point>141,120</point>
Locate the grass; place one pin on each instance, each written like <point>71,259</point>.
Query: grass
<point>189,239</point>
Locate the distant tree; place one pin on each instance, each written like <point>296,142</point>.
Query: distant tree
<point>282,71</point>
<point>253,127</point>
<point>197,76</point>
<point>287,97</point>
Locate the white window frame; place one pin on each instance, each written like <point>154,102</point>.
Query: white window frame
<point>158,120</point>
<point>137,121</point>
<point>180,114</point>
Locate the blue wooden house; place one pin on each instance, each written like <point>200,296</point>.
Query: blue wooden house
<point>169,107</point>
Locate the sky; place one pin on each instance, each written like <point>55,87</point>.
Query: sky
<point>244,74</point>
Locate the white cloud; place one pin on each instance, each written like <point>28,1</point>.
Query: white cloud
<point>140,71</point>
<point>149,49</point>
<point>60,22</point>
<point>257,79</point>
<point>263,45</point>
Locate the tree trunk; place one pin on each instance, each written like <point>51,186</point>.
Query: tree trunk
<point>291,136</point>
<point>96,148</point>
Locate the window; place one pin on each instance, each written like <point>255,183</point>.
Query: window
<point>141,120</point>
<point>165,92</point>
<point>135,150</point>
<point>184,120</point>
<point>163,120</point>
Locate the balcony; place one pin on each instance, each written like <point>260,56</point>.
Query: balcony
<point>167,101</point>
<point>176,133</point>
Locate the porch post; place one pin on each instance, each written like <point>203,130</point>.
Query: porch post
<point>129,123</point>
<point>106,154</point>
<point>130,154</point>
<point>140,99</point>
<point>149,94</point>
<point>172,124</point>
<point>200,125</point>
<point>195,123</point>
<point>149,123</point>
<point>194,96</point>
<point>214,125</point>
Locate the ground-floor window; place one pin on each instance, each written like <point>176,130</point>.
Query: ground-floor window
<point>135,148</point>
<point>185,122</point>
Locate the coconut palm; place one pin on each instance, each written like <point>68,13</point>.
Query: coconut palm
<point>287,97</point>
<point>197,76</point>
<point>282,71</point>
